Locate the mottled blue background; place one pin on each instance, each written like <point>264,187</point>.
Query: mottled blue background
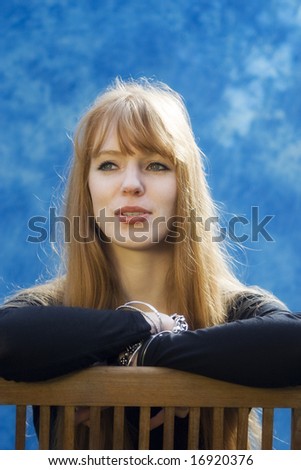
<point>237,64</point>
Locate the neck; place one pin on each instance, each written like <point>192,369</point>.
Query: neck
<point>143,275</point>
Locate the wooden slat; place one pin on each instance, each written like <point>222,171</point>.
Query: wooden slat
<point>242,428</point>
<point>20,427</point>
<point>218,428</point>
<point>44,427</point>
<point>94,434</point>
<point>169,428</point>
<point>69,428</point>
<point>267,428</point>
<point>118,428</point>
<point>144,428</point>
<point>93,387</point>
<point>148,387</point>
<point>296,429</point>
<point>194,428</point>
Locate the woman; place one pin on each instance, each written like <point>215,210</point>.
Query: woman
<point>138,196</point>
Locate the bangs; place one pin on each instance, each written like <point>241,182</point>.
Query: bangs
<point>138,126</point>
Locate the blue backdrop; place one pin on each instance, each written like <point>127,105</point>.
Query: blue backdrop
<point>237,64</point>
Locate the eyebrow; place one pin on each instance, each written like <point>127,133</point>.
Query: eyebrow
<point>109,152</point>
<point>115,153</point>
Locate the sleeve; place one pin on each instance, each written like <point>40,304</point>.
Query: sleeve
<point>42,342</point>
<point>262,348</point>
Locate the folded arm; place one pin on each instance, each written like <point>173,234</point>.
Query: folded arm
<point>262,350</point>
<point>38,343</point>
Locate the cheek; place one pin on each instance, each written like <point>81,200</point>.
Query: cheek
<point>171,195</point>
<point>98,192</point>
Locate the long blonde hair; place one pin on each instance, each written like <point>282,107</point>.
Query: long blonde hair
<point>147,116</point>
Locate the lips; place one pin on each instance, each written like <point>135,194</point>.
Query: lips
<point>132,214</point>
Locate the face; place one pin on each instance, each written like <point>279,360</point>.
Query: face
<point>133,196</point>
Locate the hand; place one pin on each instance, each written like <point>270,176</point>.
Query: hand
<point>82,416</point>
<point>165,322</point>
<point>158,419</point>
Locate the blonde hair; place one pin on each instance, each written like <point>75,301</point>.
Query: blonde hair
<point>147,116</point>
<point>151,117</point>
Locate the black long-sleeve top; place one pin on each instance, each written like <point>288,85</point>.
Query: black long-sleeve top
<point>260,345</point>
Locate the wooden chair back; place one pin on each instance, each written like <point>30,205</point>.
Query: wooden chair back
<point>147,387</point>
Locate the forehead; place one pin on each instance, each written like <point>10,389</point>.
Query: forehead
<point>129,132</point>
<point>110,141</point>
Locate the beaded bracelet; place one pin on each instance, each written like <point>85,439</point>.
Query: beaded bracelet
<point>180,323</point>
<point>126,357</point>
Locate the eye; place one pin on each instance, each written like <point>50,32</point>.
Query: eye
<point>157,166</point>
<point>107,166</point>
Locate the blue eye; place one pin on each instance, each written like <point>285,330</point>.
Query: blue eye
<point>157,166</point>
<point>107,166</point>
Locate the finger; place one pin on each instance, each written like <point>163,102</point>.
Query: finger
<point>181,412</point>
<point>82,415</point>
<point>157,420</point>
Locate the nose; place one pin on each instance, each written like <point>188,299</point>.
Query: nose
<point>132,182</point>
